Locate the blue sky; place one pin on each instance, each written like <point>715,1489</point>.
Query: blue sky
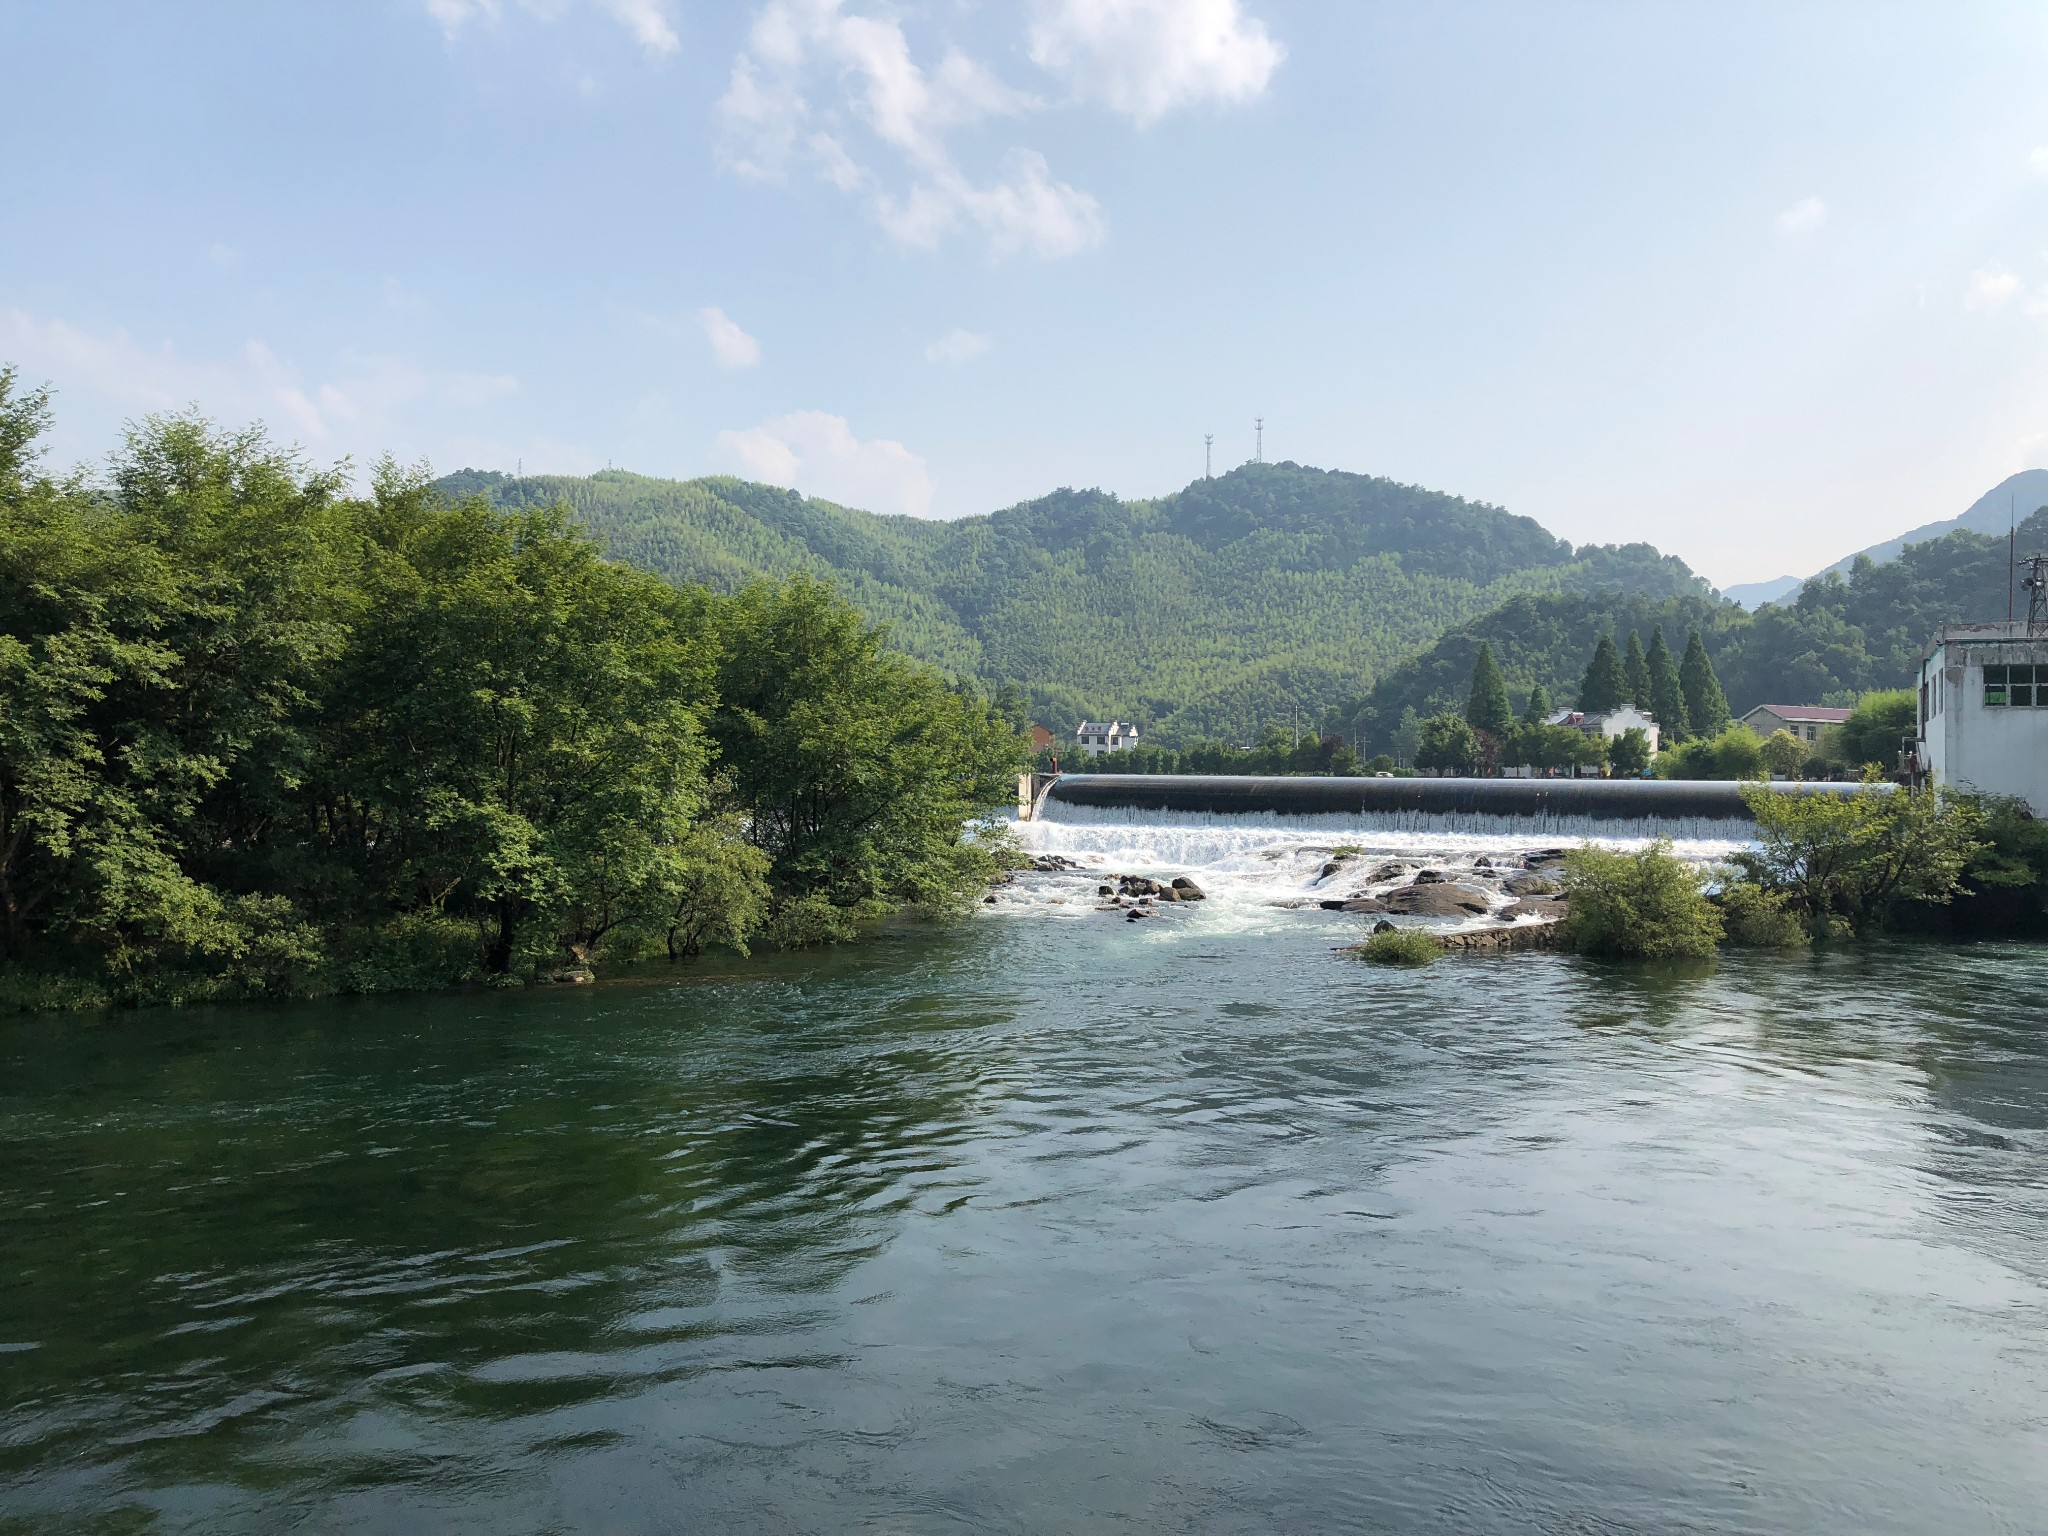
<point>1759,282</point>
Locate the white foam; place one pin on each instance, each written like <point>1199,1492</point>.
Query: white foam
<point>1264,869</point>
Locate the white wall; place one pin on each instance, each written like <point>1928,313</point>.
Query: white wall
<point>2002,750</point>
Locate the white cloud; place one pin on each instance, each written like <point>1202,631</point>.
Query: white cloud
<point>817,453</point>
<point>2038,161</point>
<point>733,347</point>
<point>223,255</point>
<point>1991,288</point>
<point>818,85</point>
<point>957,346</point>
<point>1145,58</point>
<point>647,20</point>
<point>1804,217</point>
<point>367,397</point>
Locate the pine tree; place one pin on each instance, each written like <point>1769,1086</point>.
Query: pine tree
<point>1539,705</point>
<point>1706,707</point>
<point>1667,699</point>
<point>1605,685</point>
<point>1487,709</point>
<point>1638,669</point>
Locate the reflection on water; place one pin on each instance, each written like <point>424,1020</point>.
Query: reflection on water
<point>1045,1226</point>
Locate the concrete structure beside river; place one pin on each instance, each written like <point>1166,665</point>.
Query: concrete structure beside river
<point>1983,711</point>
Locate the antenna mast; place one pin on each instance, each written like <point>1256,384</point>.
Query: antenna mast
<point>1208,455</point>
<point>2035,585</point>
<point>2012,549</point>
<point>1258,439</point>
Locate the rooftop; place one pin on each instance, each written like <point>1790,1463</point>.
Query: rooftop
<point>2005,632</point>
<point>1819,714</point>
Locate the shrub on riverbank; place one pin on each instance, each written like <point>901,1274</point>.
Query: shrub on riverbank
<point>1647,905</point>
<point>1736,753</point>
<point>1401,946</point>
<point>1844,864</point>
<point>262,736</point>
<point>1759,919</point>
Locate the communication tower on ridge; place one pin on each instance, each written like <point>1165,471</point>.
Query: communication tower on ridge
<point>1258,439</point>
<point>1208,455</point>
<point>2035,585</point>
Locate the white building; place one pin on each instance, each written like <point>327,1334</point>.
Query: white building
<point>1804,721</point>
<point>1099,736</point>
<point>1984,711</point>
<point>1611,725</point>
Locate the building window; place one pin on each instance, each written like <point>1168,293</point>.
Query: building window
<point>2014,686</point>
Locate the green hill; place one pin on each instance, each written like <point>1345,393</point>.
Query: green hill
<point>1835,640</point>
<point>1237,602</point>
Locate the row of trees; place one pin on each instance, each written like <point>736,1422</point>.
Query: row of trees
<point>260,734</point>
<point>1488,735</point>
<point>1684,699</point>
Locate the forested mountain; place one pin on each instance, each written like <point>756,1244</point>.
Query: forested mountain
<point>2019,495</point>
<point>1837,639</point>
<point>1271,590</point>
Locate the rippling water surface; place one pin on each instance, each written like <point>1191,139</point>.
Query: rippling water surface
<point>1043,1225</point>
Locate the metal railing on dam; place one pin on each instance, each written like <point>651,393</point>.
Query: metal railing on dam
<point>1548,800</point>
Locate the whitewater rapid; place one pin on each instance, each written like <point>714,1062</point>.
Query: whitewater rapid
<point>1266,870</point>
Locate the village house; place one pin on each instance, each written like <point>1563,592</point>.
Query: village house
<point>1099,736</point>
<point>1983,711</point>
<point>1805,722</point>
<point>1611,724</point>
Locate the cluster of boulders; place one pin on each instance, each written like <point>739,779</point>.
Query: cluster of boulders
<point>1455,893</point>
<point>1051,864</point>
<point>1135,895</point>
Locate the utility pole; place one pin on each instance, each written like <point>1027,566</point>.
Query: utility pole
<point>1258,439</point>
<point>1208,455</point>
<point>2012,548</point>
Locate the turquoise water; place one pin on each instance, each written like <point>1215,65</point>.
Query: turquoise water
<point>1052,1223</point>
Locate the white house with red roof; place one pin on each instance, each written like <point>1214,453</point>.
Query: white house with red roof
<point>1804,721</point>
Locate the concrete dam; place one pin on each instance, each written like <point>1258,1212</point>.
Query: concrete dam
<point>1562,804</point>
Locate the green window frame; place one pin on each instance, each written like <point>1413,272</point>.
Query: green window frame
<point>2012,687</point>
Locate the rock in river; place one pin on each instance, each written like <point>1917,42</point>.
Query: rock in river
<point>1445,900</point>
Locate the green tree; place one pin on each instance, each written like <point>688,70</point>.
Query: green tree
<point>1783,754</point>
<point>1667,698</point>
<point>1706,707</point>
<point>1448,743</point>
<point>1487,708</point>
<point>858,772</point>
<point>1647,905</point>
<point>1734,754</point>
<point>1629,753</point>
<point>1539,706</point>
<point>1605,685</point>
<point>1637,667</point>
<point>1845,862</point>
<point>1875,728</point>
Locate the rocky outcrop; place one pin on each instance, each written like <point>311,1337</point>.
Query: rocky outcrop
<point>1439,900</point>
<point>1530,885</point>
<point>1354,904</point>
<point>1189,891</point>
<point>1549,908</point>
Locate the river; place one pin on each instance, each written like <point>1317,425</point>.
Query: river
<point>1049,1222</point>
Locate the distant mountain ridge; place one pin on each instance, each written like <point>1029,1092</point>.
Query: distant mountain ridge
<point>2015,497</point>
<point>1272,592</point>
